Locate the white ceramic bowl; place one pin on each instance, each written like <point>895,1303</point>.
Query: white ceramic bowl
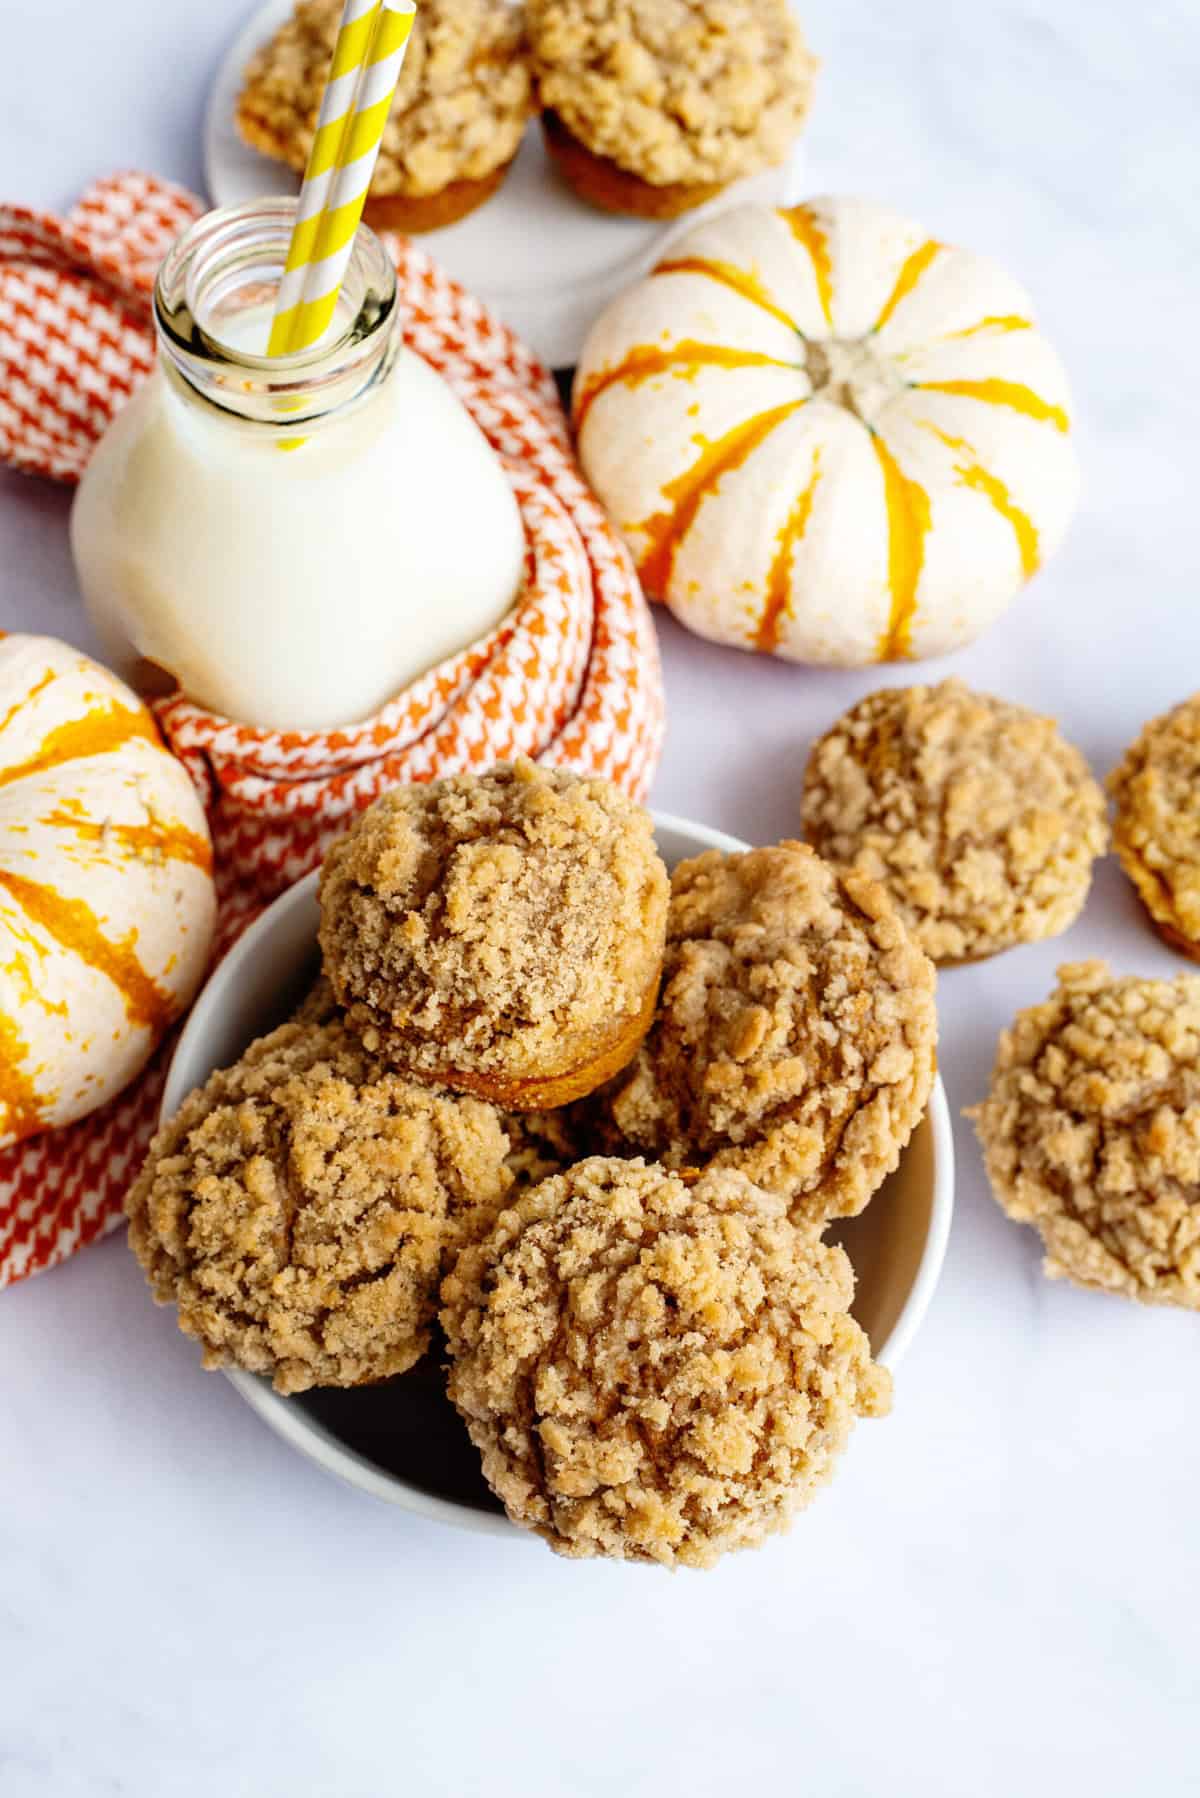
<point>402,1440</point>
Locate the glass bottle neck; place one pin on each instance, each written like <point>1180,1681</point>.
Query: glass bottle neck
<point>213,301</point>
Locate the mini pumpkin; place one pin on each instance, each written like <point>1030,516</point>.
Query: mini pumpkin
<point>827,435</point>
<point>106,893</point>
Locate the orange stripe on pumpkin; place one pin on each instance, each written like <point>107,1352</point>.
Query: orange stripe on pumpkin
<point>22,1107</point>
<point>803,224</point>
<point>995,321</point>
<point>685,359</point>
<point>96,733</point>
<point>39,686</point>
<point>72,924</point>
<point>738,280</point>
<point>24,976</point>
<point>688,491</point>
<point>973,474</point>
<point>908,516</point>
<point>158,840</point>
<point>1003,393</point>
<point>914,267</point>
<point>779,581</point>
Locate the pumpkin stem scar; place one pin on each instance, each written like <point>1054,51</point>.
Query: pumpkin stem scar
<point>804,227</point>
<point>914,267</point>
<point>973,474</point>
<point>738,280</point>
<point>684,359</point>
<point>1004,393</point>
<point>71,923</point>
<point>908,515</point>
<point>687,492</point>
<point>97,733</point>
<point>22,1107</point>
<point>779,590</point>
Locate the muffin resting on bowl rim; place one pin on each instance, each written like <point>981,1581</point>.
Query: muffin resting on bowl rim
<point>500,933</point>
<point>795,1039</point>
<point>655,1369</point>
<point>302,1205</point>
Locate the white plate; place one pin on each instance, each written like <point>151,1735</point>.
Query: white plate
<point>547,262</point>
<point>401,1440</point>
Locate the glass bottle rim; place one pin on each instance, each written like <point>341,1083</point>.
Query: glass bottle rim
<point>232,259</point>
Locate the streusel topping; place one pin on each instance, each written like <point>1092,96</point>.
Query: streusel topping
<point>303,1204</point>
<point>796,1033</point>
<point>1091,1131</point>
<point>462,102</point>
<point>506,923</point>
<point>653,1370</point>
<point>981,821</point>
<point>675,90</point>
<point>1157,832</point>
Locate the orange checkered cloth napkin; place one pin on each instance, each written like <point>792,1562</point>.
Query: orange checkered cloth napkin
<point>571,677</point>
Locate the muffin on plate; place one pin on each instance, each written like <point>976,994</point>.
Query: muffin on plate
<point>1091,1132</point>
<point>464,97</point>
<point>499,933</point>
<point>302,1206</point>
<point>981,821</point>
<point>796,1035</point>
<point>653,106</point>
<point>1157,831</point>
<point>655,1369</point>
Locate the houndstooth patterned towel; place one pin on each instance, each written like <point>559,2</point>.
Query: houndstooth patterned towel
<point>570,677</point>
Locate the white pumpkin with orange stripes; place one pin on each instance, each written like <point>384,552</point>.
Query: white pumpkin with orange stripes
<point>826,435</point>
<point>106,893</point>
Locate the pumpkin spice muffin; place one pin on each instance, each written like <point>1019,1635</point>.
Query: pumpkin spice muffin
<point>653,106</point>
<point>1157,830</point>
<point>796,1035</point>
<point>464,97</point>
<point>655,1370</point>
<point>302,1206</point>
<point>499,933</point>
<point>1091,1132</point>
<point>976,815</point>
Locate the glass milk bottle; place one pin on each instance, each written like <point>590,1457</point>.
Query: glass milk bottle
<point>293,539</point>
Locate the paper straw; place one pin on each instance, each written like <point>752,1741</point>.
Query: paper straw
<point>354,112</point>
<point>359,18</point>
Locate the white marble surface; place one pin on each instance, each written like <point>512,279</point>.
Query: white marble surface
<point>1000,1593</point>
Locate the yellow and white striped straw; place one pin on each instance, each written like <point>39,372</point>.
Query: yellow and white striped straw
<point>371,42</point>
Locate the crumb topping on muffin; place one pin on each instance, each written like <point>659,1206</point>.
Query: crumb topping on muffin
<point>506,924</point>
<point>687,91</point>
<point>1157,830</point>
<point>796,1031</point>
<point>1091,1131</point>
<point>655,1370</point>
<point>462,102</point>
<point>981,821</point>
<point>303,1204</point>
